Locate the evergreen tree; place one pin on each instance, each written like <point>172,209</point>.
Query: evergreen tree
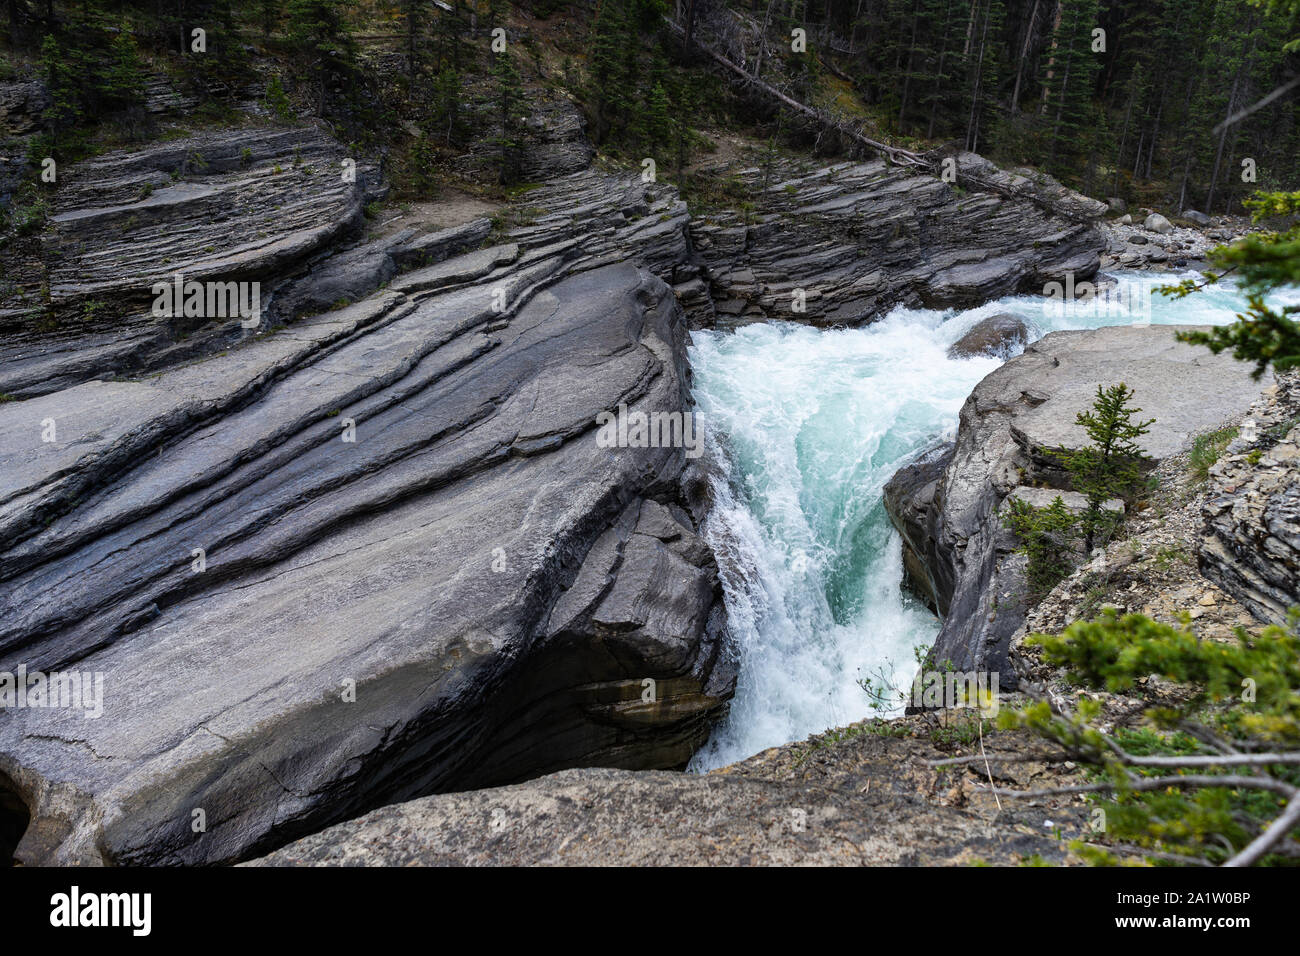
<point>656,122</point>
<point>1264,261</point>
<point>509,97</point>
<point>1196,777</point>
<point>1044,536</point>
<point>608,92</point>
<point>445,108</point>
<point>318,31</point>
<point>1111,466</point>
<point>1070,83</point>
<point>124,78</point>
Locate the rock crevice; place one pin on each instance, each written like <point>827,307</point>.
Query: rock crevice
<point>373,549</point>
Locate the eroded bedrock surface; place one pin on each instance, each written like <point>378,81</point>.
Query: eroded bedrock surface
<point>847,798</point>
<point>949,506</point>
<point>370,548</point>
<point>837,244</point>
<point>378,554</point>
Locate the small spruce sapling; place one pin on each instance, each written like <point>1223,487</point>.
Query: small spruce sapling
<point>1111,466</point>
<point>1044,535</point>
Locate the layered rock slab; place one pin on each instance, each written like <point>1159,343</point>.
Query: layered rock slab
<point>294,627</point>
<point>949,504</point>
<point>841,244</point>
<point>249,205</point>
<point>1251,541</point>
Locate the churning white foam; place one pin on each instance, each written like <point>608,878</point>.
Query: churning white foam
<point>806,427</point>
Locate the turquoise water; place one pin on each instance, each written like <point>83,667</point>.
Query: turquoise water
<point>804,428</point>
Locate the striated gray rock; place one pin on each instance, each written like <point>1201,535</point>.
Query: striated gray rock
<point>493,587</point>
<point>552,139</point>
<point>371,549</point>
<point>350,275</point>
<point>228,204</point>
<point>999,335</point>
<point>250,205</point>
<point>21,106</point>
<point>859,238</point>
<point>607,217</point>
<point>1200,218</point>
<point>1251,541</point>
<point>947,506</point>
<point>555,140</point>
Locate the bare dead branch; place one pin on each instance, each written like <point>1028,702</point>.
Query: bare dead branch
<point>1000,758</point>
<point>1157,783</point>
<point>1276,832</point>
<point>1259,104</point>
<point>1214,760</point>
<point>1157,854</point>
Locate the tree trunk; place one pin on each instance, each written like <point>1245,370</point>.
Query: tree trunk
<point>972,126</point>
<point>938,76</point>
<point>1024,55</point>
<point>907,73</point>
<point>1060,108</point>
<point>762,39</point>
<point>410,40</point>
<point>1051,60</point>
<point>1218,153</point>
<point>1123,139</point>
<point>1155,135</point>
<point>970,28</point>
<point>1243,67</point>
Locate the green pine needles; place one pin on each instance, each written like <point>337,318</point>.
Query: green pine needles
<point>1265,261</point>
<point>1109,467</point>
<point>1045,536</point>
<point>1211,774</point>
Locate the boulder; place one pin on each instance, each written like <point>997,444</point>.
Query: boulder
<point>1158,223</point>
<point>946,505</point>
<point>1200,218</point>
<point>997,335</point>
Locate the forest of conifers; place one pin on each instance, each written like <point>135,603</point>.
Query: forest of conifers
<point>1111,95</point>
<point>1121,98</point>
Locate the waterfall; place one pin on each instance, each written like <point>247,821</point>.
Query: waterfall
<point>806,426</point>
